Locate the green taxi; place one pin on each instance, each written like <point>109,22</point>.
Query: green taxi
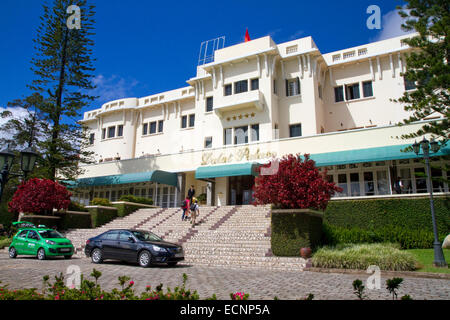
<point>40,241</point>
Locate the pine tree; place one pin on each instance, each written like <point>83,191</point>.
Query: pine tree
<point>63,68</point>
<point>427,66</point>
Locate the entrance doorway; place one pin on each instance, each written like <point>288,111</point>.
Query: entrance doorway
<point>240,190</point>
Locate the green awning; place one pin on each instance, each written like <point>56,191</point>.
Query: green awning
<point>227,170</point>
<point>371,155</point>
<point>159,176</point>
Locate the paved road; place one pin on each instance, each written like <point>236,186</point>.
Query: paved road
<point>26,272</point>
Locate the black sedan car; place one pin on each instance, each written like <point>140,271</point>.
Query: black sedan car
<point>138,246</point>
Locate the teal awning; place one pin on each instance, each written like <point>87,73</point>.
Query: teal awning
<point>371,155</point>
<point>227,170</point>
<point>159,176</point>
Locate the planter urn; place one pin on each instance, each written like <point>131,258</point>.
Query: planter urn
<point>305,253</point>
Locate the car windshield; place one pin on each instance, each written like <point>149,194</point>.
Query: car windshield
<point>146,236</point>
<point>50,234</point>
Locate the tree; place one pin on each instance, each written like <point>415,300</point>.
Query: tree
<point>297,184</point>
<point>40,196</point>
<point>427,65</point>
<point>63,69</point>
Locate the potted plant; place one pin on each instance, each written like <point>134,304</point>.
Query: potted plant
<point>298,193</point>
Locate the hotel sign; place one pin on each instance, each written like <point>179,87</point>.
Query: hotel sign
<point>243,154</point>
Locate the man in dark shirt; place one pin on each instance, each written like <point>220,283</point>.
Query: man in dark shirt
<point>191,193</point>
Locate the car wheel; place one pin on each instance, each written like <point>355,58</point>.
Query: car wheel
<point>67,257</point>
<point>12,253</point>
<point>145,259</point>
<point>41,254</point>
<point>97,256</point>
<point>172,264</point>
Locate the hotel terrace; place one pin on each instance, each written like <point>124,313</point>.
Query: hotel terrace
<point>253,102</point>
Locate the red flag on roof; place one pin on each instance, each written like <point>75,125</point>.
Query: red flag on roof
<point>247,36</point>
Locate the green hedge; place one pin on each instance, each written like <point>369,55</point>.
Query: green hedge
<point>124,209</point>
<point>293,231</point>
<point>100,202</point>
<point>72,220</point>
<point>101,216</point>
<point>407,239</point>
<point>410,214</point>
<point>131,198</point>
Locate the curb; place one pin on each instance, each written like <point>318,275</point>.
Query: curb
<point>384,273</point>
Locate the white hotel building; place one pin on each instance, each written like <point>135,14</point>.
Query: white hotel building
<point>258,100</point>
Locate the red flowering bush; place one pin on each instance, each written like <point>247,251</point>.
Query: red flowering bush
<point>293,183</point>
<point>40,196</point>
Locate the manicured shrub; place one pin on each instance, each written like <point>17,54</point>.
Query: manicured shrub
<point>410,214</point>
<point>101,202</point>
<point>361,256</point>
<point>131,198</point>
<point>75,221</point>
<point>101,216</point>
<point>40,196</point>
<point>293,231</point>
<point>296,183</point>
<point>5,242</point>
<point>75,206</point>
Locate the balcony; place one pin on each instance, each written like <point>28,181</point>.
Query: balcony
<point>244,100</point>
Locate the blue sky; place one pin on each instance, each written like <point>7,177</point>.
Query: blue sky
<point>145,47</point>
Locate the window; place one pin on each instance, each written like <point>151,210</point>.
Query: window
<point>227,136</point>
<point>160,125</point>
<point>91,138</point>
<point>409,85</point>
<point>352,91</point>
<point>339,94</point>
<point>184,122</point>
<point>152,127</point>
<point>241,135</point>
<point>254,84</point>
<point>275,86</point>
<point>209,104</point>
<point>103,133</point>
<point>22,234</point>
<point>367,89</point>
<point>111,132</point>
<point>145,129</point>
<point>292,87</point>
<point>320,90</point>
<point>227,90</point>
<point>120,131</point>
<point>33,235</point>
<point>208,142</point>
<point>191,120</point>
<point>241,86</point>
<point>111,235</point>
<point>255,132</point>
<point>295,130</point>
<point>124,235</point>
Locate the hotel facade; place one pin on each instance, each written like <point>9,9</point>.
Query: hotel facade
<point>254,102</point>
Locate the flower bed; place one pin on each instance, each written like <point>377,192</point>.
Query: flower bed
<point>361,256</point>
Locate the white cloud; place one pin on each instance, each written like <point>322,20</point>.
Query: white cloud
<point>391,26</point>
<point>296,35</point>
<point>112,88</point>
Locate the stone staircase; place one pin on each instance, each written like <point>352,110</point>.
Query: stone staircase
<point>237,236</point>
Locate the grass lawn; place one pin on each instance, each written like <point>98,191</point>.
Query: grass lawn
<point>426,257</point>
